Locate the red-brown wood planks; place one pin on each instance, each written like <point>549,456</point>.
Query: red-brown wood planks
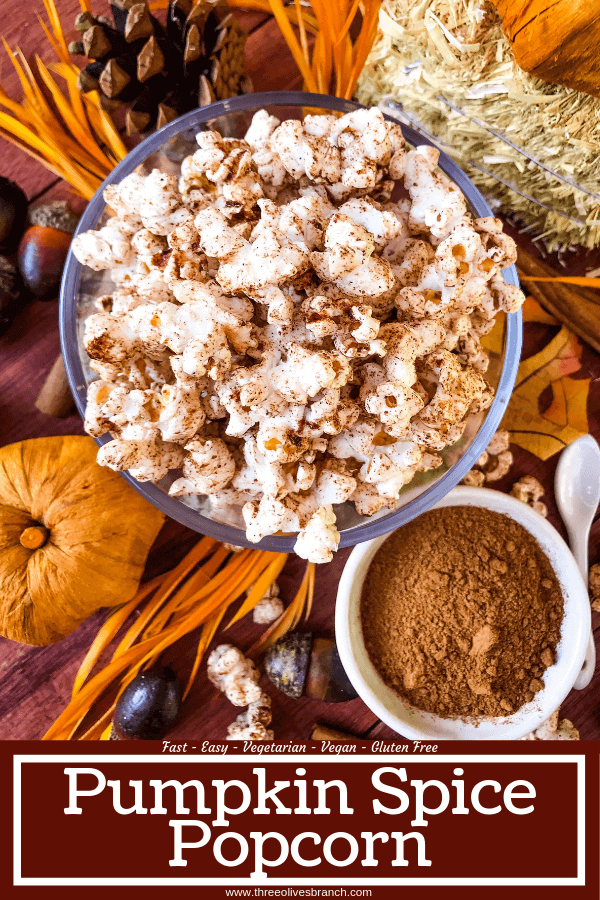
<point>36,682</point>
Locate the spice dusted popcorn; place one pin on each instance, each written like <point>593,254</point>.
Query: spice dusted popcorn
<point>594,585</point>
<point>251,724</point>
<point>554,729</point>
<point>494,463</point>
<point>529,490</point>
<point>282,335</point>
<point>269,607</point>
<point>236,676</point>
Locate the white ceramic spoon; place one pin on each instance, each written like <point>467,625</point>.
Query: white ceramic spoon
<point>577,490</point>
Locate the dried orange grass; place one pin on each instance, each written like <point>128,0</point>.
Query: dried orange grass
<point>579,280</point>
<point>195,594</point>
<point>72,135</point>
<point>336,60</point>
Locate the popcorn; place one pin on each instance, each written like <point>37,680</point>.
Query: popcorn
<point>234,675</point>
<point>307,154</point>
<point>335,483</point>
<point>307,372</point>
<point>181,413</point>
<point>457,389</point>
<point>384,225</point>
<point>368,500</point>
<point>160,205</point>
<point>269,607</point>
<point>107,248</point>
<point>494,463</point>
<point>268,517</point>
<point>529,490</point>
<point>351,326</point>
<point>364,140</point>
<point>594,586</point>
<point>245,266</point>
<point>251,725</point>
<point>284,334</point>
<point>437,204</point>
<point>147,460</point>
<point>109,339</point>
<point>553,729</point>
<point>348,261</point>
<point>208,467</point>
<point>394,405</point>
<point>319,539</point>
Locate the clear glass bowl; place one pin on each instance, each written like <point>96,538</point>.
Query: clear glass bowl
<point>165,149</point>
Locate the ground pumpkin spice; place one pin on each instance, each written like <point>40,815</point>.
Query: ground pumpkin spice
<point>461,613</point>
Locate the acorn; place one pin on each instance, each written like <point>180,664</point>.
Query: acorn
<point>10,292</point>
<point>54,214</point>
<point>13,212</point>
<point>148,707</point>
<point>301,663</point>
<point>42,254</point>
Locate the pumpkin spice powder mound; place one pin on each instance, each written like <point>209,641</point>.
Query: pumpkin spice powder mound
<point>461,613</point>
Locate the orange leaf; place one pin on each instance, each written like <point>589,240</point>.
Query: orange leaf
<point>569,403</point>
<point>545,434</point>
<point>534,312</point>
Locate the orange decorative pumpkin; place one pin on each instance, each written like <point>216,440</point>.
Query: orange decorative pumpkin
<point>555,40</point>
<point>74,537</point>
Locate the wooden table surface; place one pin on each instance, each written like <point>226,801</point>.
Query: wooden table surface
<point>36,682</point>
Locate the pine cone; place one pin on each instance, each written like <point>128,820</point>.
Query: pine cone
<point>161,71</point>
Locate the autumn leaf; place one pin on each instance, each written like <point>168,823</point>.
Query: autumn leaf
<point>545,434</point>
<point>535,312</point>
<point>532,312</point>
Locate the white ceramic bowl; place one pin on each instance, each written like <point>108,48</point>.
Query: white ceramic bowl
<point>558,679</point>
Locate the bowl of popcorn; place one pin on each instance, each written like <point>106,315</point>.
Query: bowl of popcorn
<point>274,316</point>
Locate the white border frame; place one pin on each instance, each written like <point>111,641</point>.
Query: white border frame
<point>307,881</point>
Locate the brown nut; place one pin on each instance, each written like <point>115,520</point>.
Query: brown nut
<point>13,211</point>
<point>54,214</point>
<point>42,254</point>
<point>303,663</point>
<point>10,290</point>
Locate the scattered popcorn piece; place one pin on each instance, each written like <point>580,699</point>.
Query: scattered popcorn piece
<point>474,478</point>
<point>269,607</point>
<point>553,730</point>
<point>494,463</point>
<point>594,583</point>
<point>235,675</point>
<point>529,490</point>
<point>251,725</point>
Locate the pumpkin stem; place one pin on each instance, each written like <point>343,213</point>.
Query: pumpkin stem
<point>34,537</point>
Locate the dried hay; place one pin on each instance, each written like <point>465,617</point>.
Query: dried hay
<point>455,49</point>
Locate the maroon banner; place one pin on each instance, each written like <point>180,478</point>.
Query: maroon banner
<point>324,817</point>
